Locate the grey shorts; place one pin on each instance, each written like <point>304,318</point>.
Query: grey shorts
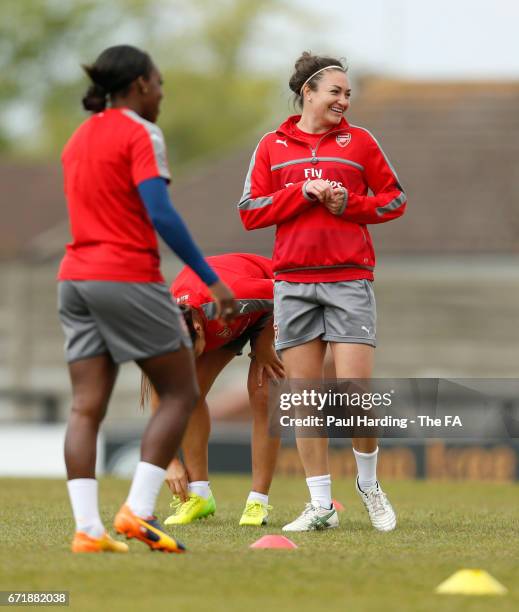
<point>249,335</point>
<point>130,321</point>
<point>343,311</point>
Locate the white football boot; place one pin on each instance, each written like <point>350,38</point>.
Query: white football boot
<point>377,504</point>
<point>314,517</point>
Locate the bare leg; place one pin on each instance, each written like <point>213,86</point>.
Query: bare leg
<point>195,443</point>
<point>173,377</point>
<point>264,447</point>
<point>355,361</point>
<point>305,362</point>
<point>196,436</point>
<point>92,383</point>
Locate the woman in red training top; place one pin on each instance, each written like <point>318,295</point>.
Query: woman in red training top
<point>311,178</point>
<point>113,303</point>
<point>216,344</point>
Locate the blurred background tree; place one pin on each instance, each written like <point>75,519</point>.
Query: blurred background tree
<point>213,100</point>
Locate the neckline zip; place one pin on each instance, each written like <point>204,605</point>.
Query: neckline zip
<point>314,151</point>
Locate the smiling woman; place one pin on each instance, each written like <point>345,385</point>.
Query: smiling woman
<point>314,188</point>
<point>310,70</point>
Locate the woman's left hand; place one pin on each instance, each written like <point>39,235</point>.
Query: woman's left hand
<point>336,204</point>
<point>268,362</point>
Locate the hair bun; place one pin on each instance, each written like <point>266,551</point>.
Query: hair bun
<point>113,72</point>
<point>306,65</point>
<point>95,98</point>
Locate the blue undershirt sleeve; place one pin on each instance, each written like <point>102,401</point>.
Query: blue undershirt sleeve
<point>172,229</point>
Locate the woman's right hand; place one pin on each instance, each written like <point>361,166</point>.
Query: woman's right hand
<point>319,189</point>
<point>338,202</point>
<point>224,298</point>
<point>176,478</point>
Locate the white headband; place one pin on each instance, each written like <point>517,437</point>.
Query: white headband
<point>317,72</point>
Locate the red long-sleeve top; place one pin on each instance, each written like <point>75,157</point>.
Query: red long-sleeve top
<point>312,244</point>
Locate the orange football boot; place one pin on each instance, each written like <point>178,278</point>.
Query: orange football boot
<point>146,530</point>
<point>83,543</point>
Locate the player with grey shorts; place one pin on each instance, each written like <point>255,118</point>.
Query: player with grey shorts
<point>321,181</point>
<point>113,304</point>
<point>334,312</point>
<point>130,321</point>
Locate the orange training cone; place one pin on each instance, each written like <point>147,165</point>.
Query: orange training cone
<point>273,541</point>
<point>337,505</point>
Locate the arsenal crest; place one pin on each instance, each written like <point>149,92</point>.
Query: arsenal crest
<point>343,140</point>
<point>225,332</point>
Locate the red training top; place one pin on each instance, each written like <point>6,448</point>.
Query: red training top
<point>103,162</point>
<point>312,244</point>
<point>250,279</point>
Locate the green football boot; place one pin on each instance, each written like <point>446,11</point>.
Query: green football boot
<point>196,507</point>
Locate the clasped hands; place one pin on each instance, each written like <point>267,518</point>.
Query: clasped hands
<point>333,198</point>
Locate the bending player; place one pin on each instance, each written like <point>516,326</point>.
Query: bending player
<point>216,344</point>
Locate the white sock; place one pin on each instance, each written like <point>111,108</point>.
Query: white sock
<point>367,468</point>
<point>320,488</point>
<point>145,487</point>
<point>260,497</point>
<point>83,497</point>
<point>200,487</point>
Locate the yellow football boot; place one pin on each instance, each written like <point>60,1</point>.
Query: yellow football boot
<point>255,514</point>
<point>196,507</point>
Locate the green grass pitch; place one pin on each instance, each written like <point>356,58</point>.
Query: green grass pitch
<point>442,527</point>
